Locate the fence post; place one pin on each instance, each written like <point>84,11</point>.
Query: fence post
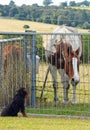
<point>33,56</point>
<point>25,56</point>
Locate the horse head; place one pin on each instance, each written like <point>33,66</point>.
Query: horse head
<point>71,63</point>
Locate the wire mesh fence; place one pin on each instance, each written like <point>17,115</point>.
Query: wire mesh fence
<point>45,102</point>
<point>40,87</point>
<point>15,65</point>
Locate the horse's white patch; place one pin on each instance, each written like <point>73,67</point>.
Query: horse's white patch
<point>67,35</point>
<point>75,69</point>
<point>71,36</point>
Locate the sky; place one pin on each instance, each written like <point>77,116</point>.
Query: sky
<point>39,2</point>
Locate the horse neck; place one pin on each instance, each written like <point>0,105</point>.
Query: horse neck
<point>59,48</point>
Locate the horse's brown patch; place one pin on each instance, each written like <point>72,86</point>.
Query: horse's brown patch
<point>62,58</point>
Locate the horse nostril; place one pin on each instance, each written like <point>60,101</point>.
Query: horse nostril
<point>73,80</point>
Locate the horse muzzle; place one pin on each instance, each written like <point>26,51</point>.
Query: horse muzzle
<point>75,81</point>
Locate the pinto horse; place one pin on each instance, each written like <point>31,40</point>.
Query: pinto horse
<point>63,53</point>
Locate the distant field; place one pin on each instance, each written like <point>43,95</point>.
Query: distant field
<point>13,25</point>
<point>82,8</point>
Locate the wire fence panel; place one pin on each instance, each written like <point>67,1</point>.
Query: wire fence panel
<point>48,93</point>
<point>45,89</point>
<point>15,65</point>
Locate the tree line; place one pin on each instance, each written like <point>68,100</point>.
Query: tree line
<point>52,15</point>
<point>48,14</point>
<point>84,3</point>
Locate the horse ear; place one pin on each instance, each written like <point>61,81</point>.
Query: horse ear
<point>77,51</point>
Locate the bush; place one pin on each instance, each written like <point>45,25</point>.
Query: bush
<point>86,48</point>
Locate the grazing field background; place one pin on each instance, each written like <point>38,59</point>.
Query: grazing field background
<point>38,123</point>
<point>13,25</point>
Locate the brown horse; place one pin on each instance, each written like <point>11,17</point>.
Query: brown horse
<point>63,53</point>
<point>11,53</point>
<point>15,69</point>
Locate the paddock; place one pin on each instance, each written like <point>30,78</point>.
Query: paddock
<point>40,84</point>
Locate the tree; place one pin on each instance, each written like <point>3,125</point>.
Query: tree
<point>86,49</point>
<point>13,11</point>
<point>72,3</point>
<point>12,3</point>
<point>86,25</point>
<point>47,2</point>
<point>63,4</point>
<point>85,2</point>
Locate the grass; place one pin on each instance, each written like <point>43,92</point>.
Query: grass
<point>43,123</point>
<point>13,25</point>
<point>82,8</point>
<point>82,107</point>
<point>62,109</point>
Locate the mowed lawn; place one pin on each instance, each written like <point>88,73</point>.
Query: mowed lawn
<point>43,123</point>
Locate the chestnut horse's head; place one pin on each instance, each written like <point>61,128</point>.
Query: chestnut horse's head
<point>71,61</point>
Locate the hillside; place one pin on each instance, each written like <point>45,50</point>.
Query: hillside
<point>68,15</point>
<point>13,25</point>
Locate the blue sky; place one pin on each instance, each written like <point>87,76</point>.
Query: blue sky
<point>30,2</point>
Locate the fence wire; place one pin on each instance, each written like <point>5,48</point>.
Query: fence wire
<point>19,74</point>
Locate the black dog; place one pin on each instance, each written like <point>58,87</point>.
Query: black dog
<point>17,104</point>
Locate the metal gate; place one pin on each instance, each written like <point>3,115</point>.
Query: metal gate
<point>40,85</point>
<point>17,65</point>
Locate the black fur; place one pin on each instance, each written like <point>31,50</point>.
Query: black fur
<point>16,105</point>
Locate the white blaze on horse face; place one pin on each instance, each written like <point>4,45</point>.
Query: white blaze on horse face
<point>75,69</point>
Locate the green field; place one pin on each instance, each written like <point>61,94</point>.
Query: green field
<point>43,123</point>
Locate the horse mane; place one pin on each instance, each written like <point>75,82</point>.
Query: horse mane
<point>74,39</point>
<point>58,58</point>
